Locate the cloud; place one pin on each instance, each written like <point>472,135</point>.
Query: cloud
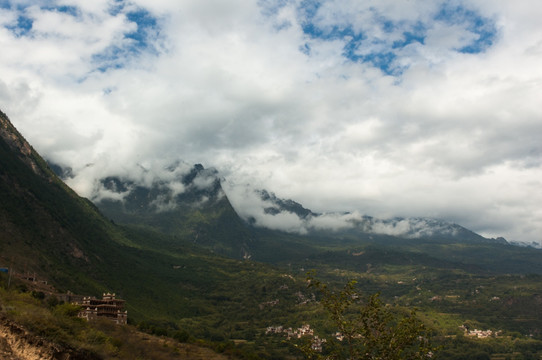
<point>251,207</point>
<point>261,209</point>
<point>334,221</point>
<point>162,174</point>
<point>389,108</point>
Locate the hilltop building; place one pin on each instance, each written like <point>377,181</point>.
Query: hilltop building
<point>108,307</point>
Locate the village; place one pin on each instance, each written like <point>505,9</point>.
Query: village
<point>108,307</point>
<point>480,334</point>
<point>304,330</point>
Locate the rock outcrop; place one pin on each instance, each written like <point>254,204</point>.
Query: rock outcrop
<point>16,343</point>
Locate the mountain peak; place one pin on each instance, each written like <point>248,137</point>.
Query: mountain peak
<point>20,146</point>
<point>278,205</point>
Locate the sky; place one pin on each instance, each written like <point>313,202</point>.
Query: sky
<point>408,108</point>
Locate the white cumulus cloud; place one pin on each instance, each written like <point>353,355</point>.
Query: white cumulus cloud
<point>388,108</point>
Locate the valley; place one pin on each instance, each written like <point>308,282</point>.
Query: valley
<point>190,268</point>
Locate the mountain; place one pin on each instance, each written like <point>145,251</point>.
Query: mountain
<point>48,230</point>
<point>171,285</point>
<point>162,255</point>
<point>187,202</point>
<point>278,205</point>
<point>179,195</point>
<point>346,223</point>
<point>46,227</point>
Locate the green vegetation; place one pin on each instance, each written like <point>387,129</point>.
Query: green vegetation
<point>366,329</point>
<point>57,323</point>
<point>186,277</point>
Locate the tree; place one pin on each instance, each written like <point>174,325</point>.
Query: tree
<point>367,329</point>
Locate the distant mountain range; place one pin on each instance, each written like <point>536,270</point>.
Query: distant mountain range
<point>166,199</point>
<point>188,201</point>
<point>412,228</point>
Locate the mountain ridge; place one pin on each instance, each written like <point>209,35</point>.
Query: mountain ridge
<point>131,197</point>
<point>215,225</point>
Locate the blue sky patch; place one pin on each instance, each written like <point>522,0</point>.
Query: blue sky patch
<point>113,58</point>
<point>116,7</point>
<point>23,26</point>
<point>145,22</point>
<point>381,48</point>
<point>72,10</point>
<point>142,40</point>
<point>384,61</point>
<point>305,49</point>
<point>386,25</point>
<point>484,28</point>
<point>308,9</point>
<point>354,41</point>
<point>409,38</point>
<point>415,34</point>
<point>24,23</point>
<point>271,7</point>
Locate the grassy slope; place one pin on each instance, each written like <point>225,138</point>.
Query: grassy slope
<point>39,318</point>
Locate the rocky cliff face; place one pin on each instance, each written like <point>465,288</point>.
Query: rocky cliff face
<point>16,343</point>
<point>16,142</point>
